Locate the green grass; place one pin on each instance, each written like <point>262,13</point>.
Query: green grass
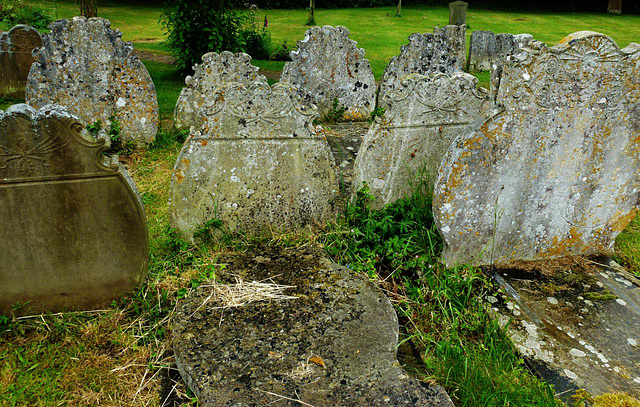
<point>628,246</point>
<point>168,85</point>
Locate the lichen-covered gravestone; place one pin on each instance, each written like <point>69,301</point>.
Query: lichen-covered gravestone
<point>84,66</point>
<point>215,70</point>
<point>487,49</point>
<point>329,66</point>
<point>556,172</point>
<point>457,36</point>
<point>256,163</point>
<point>16,47</point>
<point>424,115</point>
<point>72,225</point>
<point>425,54</point>
<point>289,326</point>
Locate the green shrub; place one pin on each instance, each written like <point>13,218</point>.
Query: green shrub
<point>15,12</point>
<point>195,27</point>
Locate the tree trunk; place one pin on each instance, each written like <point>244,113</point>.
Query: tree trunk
<point>399,8</point>
<point>89,8</point>
<point>312,18</point>
<point>615,7</point>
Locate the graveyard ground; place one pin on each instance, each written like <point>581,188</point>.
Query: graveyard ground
<point>122,355</point>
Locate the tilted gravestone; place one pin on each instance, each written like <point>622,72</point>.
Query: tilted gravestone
<point>556,172</point>
<point>256,163</point>
<point>329,66</point>
<point>215,70</point>
<point>84,66</point>
<point>73,229</point>
<point>487,49</point>
<point>425,54</point>
<point>424,115</point>
<point>16,47</point>
<point>310,330</point>
<point>457,36</point>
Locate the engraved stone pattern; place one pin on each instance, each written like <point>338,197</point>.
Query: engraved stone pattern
<point>457,36</point>
<point>215,70</point>
<point>84,66</point>
<point>16,57</point>
<point>257,162</point>
<point>556,172</point>
<point>328,65</point>
<point>425,54</point>
<point>424,115</point>
<point>72,220</point>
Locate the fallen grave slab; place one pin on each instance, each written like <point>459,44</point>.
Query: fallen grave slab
<point>288,326</point>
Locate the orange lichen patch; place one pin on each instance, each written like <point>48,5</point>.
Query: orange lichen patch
<point>621,222</point>
<point>317,360</point>
<point>559,247</point>
<point>179,176</point>
<point>186,162</point>
<point>476,141</point>
<point>204,142</point>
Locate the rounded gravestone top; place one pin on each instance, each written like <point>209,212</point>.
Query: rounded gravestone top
<point>302,327</point>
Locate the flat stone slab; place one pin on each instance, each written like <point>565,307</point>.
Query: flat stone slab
<point>577,321</point>
<point>555,172</point>
<point>215,70</point>
<point>257,163</point>
<point>85,66</point>
<point>16,47</point>
<point>303,328</point>
<point>72,226</point>
<point>424,115</point>
<point>328,65</point>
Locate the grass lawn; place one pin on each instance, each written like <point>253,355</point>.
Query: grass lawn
<point>122,355</point>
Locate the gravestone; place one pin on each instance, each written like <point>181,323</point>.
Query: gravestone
<point>84,66</point>
<point>555,172</point>
<point>424,115</point>
<point>16,57</point>
<point>329,66</point>
<point>457,35</point>
<point>487,49</point>
<point>425,54</point>
<point>215,70</point>
<point>73,229</point>
<point>256,163</point>
<point>303,329</point>
<point>458,12</point>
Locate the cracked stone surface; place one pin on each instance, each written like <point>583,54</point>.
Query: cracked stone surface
<point>554,172</point>
<point>330,342</point>
<point>216,70</point>
<point>85,66</point>
<point>328,65</point>
<point>257,163</point>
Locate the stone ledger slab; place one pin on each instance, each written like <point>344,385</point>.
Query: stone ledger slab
<point>73,230</point>
<point>424,115</point>
<point>16,47</point>
<point>556,171</point>
<point>425,54</point>
<point>85,66</point>
<point>215,70</point>
<point>328,340</point>
<point>257,163</point>
<point>328,65</point>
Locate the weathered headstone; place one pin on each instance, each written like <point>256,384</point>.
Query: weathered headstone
<point>256,163</point>
<point>73,230</point>
<point>425,54</point>
<point>301,328</point>
<point>457,35</point>
<point>84,66</point>
<point>16,47</point>
<point>424,115</point>
<point>329,66</point>
<point>556,172</point>
<point>458,12</point>
<point>487,49</point>
<point>215,70</point>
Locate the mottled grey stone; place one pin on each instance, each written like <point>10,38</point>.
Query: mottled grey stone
<point>84,66</point>
<point>424,115</point>
<point>72,230</point>
<point>556,171</point>
<point>328,65</point>
<point>16,47</point>
<point>425,54</point>
<point>457,36</point>
<point>487,49</point>
<point>215,70</point>
<point>458,12</point>
<point>331,343</point>
<point>257,163</point>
